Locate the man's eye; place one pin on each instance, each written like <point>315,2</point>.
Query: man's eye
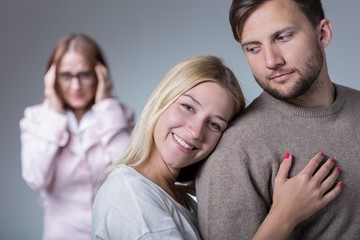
<point>252,49</point>
<point>284,37</point>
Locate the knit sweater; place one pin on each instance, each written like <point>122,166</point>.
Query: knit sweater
<point>235,184</point>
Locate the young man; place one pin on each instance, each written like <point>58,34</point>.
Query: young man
<point>301,111</point>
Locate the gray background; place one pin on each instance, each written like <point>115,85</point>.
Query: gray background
<point>142,40</point>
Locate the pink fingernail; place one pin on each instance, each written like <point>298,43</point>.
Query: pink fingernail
<point>322,154</point>
<point>341,184</point>
<point>338,169</point>
<point>287,155</point>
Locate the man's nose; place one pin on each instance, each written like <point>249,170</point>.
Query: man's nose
<point>273,58</point>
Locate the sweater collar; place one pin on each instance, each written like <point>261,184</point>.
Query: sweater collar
<point>307,112</point>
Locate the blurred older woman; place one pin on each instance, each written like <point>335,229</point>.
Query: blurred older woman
<point>69,139</point>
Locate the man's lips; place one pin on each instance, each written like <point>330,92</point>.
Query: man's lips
<point>280,77</point>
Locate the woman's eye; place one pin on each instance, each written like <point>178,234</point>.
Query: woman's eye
<point>188,107</point>
<point>65,76</point>
<point>214,125</point>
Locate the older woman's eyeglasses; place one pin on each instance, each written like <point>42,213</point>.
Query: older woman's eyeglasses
<point>85,78</point>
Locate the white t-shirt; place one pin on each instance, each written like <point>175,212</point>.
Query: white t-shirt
<point>130,206</point>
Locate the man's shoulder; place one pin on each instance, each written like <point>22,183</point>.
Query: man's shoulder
<point>347,89</point>
<point>249,124</point>
<point>256,112</point>
<point>350,95</point>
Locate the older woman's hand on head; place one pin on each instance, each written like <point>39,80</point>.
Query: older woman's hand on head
<point>51,97</point>
<point>104,83</point>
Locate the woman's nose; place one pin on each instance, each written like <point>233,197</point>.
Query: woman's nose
<point>75,83</point>
<point>196,128</point>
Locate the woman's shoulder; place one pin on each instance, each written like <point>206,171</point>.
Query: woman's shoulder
<point>130,194</point>
<point>126,181</point>
<point>41,113</point>
<point>123,176</point>
<point>33,109</point>
<point>120,192</point>
<point>126,175</point>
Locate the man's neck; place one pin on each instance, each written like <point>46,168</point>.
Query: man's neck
<point>321,94</point>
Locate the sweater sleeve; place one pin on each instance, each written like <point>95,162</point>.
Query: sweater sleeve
<point>42,133</point>
<point>115,122</point>
<point>230,204</point>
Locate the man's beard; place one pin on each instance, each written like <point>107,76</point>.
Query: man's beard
<point>308,76</point>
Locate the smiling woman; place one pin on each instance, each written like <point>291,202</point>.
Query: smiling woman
<point>180,125</point>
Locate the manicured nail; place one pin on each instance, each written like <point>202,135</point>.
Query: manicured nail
<point>341,184</point>
<point>287,155</point>
<point>332,160</point>
<point>338,169</point>
<point>322,154</point>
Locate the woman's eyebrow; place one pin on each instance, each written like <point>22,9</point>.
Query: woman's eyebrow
<point>192,98</point>
<point>198,103</point>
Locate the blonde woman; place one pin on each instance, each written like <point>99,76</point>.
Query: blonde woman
<point>181,124</point>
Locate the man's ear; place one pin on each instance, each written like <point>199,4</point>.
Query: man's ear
<point>325,31</point>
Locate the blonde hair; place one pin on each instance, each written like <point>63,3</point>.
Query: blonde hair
<point>181,78</point>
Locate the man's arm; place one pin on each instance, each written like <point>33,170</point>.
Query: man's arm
<point>230,204</point>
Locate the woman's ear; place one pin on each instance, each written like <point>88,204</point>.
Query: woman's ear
<point>325,31</point>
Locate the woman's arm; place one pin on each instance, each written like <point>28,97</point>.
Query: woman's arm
<point>115,120</point>
<point>298,198</point>
<point>42,133</point>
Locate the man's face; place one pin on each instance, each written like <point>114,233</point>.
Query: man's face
<point>282,49</point>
